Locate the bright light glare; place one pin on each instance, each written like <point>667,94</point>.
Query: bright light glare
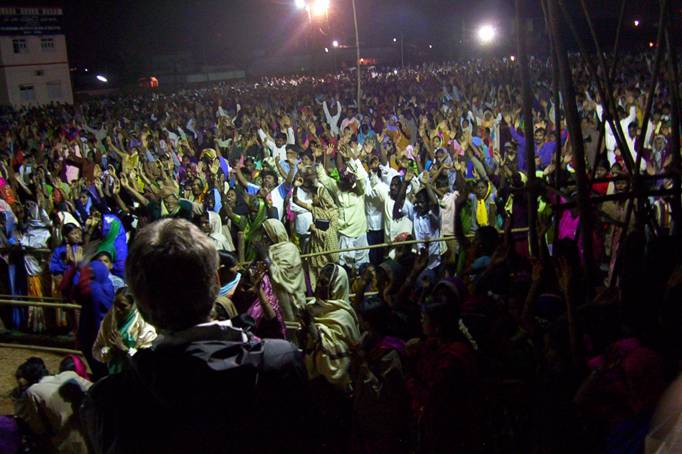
<point>512,58</point>
<point>430,46</point>
<point>395,40</point>
<point>395,71</point>
<point>636,23</point>
<point>335,43</point>
<point>651,44</point>
<point>486,34</point>
<point>326,50</point>
<point>319,7</point>
<point>101,78</point>
<point>300,4</point>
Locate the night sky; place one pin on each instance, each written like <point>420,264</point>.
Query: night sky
<point>126,34</point>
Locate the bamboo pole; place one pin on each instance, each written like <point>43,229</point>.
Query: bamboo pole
<point>614,54</point>
<point>241,246</point>
<point>527,130</point>
<point>10,302</point>
<point>375,246</point>
<point>573,123</point>
<point>357,53</point>
<point>605,93</point>
<point>674,85</point>
<point>67,351</point>
<point>557,128</point>
<point>397,243</point>
<point>639,145</point>
<point>609,100</point>
<point>621,196</point>
<point>616,42</point>
<point>34,298</point>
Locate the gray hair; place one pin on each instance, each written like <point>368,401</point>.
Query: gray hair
<point>171,270</point>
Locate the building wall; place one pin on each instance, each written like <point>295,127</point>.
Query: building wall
<point>40,70</point>
<point>51,83</point>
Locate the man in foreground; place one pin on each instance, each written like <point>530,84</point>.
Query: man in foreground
<point>203,386</point>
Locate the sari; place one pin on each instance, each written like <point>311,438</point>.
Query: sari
<point>324,208</point>
<point>35,235</point>
<point>286,269</point>
<point>114,242</point>
<point>250,226</point>
<point>264,327</point>
<point>135,334</point>
<point>337,324</point>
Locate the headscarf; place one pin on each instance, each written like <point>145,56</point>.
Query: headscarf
<point>228,289</point>
<point>324,208</point>
<point>276,231</point>
<point>338,328</point>
<point>252,225</point>
<point>114,242</point>
<point>219,239</point>
<point>286,268</point>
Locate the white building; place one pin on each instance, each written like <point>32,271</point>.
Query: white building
<point>34,66</point>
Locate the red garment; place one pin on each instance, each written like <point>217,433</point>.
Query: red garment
<point>600,188</point>
<point>443,389</point>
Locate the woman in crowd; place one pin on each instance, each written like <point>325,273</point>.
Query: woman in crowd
<point>285,269</point>
<point>121,333</point>
<point>331,328</point>
<point>323,230</point>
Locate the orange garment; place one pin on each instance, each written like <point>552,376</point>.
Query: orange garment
<point>36,315</point>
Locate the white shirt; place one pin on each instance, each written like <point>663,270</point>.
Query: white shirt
<point>276,196</point>
<point>304,218</point>
<point>426,228</point>
<point>392,227</point>
<point>374,206</point>
<point>332,121</point>
<point>278,153</point>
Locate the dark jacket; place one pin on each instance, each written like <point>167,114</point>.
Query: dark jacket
<point>203,390</point>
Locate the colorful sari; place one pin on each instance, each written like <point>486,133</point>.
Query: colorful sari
<point>264,327</point>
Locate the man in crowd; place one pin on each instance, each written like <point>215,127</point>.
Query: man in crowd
<point>212,385</point>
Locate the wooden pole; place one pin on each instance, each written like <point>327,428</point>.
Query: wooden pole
<point>66,351</point>
<point>610,114</point>
<point>573,123</point>
<point>11,302</point>
<point>357,53</point>
<point>639,145</point>
<point>527,130</point>
<point>557,127</point>
<point>674,85</point>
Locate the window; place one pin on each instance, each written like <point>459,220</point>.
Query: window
<point>54,89</point>
<point>19,45</point>
<point>47,44</point>
<point>27,93</point>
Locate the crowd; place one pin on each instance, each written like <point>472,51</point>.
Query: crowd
<point>217,242</point>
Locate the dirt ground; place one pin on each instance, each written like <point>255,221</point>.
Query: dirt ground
<point>10,359</point>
